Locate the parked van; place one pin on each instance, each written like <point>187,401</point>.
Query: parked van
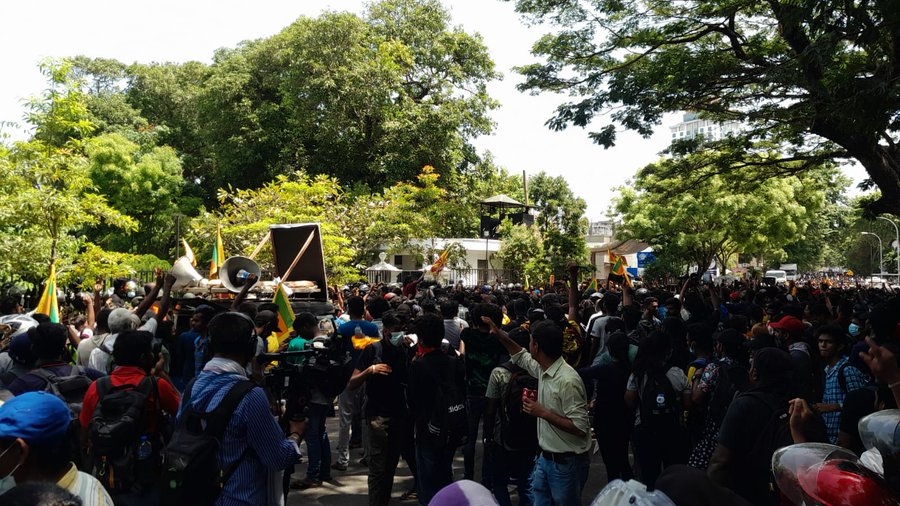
<point>779,276</point>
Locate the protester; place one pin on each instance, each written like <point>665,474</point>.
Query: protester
<point>34,434</point>
<point>433,371</point>
<point>318,405</point>
<point>564,433</point>
<point>254,444</point>
<point>384,369</point>
<point>48,342</point>
<point>840,377</point>
<point>356,333</point>
<point>133,480</point>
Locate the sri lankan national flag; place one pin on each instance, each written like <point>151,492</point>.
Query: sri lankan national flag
<point>49,303</point>
<point>218,255</point>
<point>440,263</point>
<point>285,312</point>
<point>617,270</point>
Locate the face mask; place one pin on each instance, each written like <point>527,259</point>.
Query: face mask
<point>685,314</point>
<point>8,481</point>
<point>853,329</point>
<point>396,337</point>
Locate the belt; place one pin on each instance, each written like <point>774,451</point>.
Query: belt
<point>561,458</point>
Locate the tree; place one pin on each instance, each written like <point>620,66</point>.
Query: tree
<point>522,250</point>
<point>819,79</point>
<point>145,184</point>
<point>720,218</point>
<point>368,99</point>
<point>245,216</point>
<point>560,220</point>
<point>49,195</point>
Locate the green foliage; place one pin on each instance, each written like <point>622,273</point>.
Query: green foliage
<point>522,250</point>
<point>719,217</point>
<point>93,262</point>
<point>817,80</point>
<point>297,198</point>
<point>145,184</point>
<point>561,221</point>
<point>369,100</point>
<point>49,196</point>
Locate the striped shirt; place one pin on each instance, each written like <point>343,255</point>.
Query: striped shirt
<point>85,487</point>
<point>252,436</point>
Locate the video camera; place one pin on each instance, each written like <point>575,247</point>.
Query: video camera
<point>322,365</point>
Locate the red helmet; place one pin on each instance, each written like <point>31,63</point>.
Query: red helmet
<point>844,483</point>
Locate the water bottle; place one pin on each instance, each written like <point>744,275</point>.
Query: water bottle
<point>145,449</point>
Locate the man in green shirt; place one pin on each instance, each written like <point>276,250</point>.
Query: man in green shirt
<point>564,433</point>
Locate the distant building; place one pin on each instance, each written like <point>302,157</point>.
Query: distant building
<point>691,126</point>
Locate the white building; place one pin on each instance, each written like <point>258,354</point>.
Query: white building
<point>691,126</point>
<point>482,267</point>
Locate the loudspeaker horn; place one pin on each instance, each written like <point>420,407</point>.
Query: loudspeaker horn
<point>185,274</point>
<point>235,270</point>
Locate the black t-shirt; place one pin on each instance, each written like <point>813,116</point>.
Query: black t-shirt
<point>610,410</point>
<point>424,374</point>
<point>385,395</point>
<point>741,429</point>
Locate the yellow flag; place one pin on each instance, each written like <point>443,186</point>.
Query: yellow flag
<point>218,256</point>
<point>49,302</point>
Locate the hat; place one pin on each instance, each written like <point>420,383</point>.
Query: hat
<point>389,295</point>
<point>36,417</point>
<point>463,493</point>
<point>790,324</point>
<point>596,295</point>
<point>266,317</point>
<point>735,296</point>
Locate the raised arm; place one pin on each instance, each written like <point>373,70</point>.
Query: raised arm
<point>239,298</point>
<point>148,301</point>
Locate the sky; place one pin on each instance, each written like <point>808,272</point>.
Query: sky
<point>186,30</point>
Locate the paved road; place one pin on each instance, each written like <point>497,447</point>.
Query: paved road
<point>349,488</point>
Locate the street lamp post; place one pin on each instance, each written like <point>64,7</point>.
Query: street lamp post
<point>880,251</point>
<point>897,249</point>
<point>487,264</point>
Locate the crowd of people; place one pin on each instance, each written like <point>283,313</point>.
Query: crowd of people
<point>687,389</point>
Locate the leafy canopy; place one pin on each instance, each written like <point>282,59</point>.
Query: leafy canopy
<point>818,79</point>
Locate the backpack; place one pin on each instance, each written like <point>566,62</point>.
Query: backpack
<point>733,379</point>
<point>659,403</point>
<point>448,422</point>
<point>518,430</point>
<point>191,474</point>
<point>118,436</point>
<point>70,388</point>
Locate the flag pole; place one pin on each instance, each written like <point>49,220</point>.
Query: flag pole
<point>260,245</point>
<point>300,254</point>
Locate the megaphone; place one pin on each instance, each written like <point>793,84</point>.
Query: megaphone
<point>185,274</point>
<point>235,270</point>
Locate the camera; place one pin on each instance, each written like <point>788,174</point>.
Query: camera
<point>322,365</point>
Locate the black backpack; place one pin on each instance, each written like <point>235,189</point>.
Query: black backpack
<point>119,439</point>
<point>191,474</point>
<point>70,388</point>
<point>660,404</point>
<point>518,430</point>
<point>449,422</point>
<point>733,379</point>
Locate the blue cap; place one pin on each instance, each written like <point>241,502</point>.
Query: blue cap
<point>36,417</point>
